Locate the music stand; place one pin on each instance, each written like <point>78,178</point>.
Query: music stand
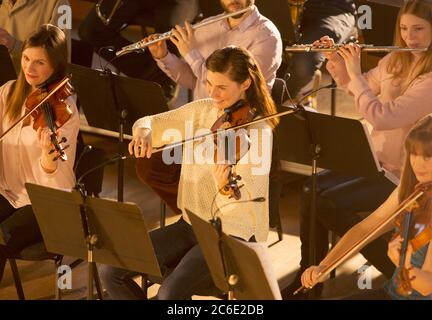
<point>6,66</point>
<point>118,230</point>
<point>240,268</point>
<point>114,103</point>
<point>329,142</point>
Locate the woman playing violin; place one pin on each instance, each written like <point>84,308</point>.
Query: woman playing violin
<point>417,170</point>
<point>25,154</point>
<point>233,75</point>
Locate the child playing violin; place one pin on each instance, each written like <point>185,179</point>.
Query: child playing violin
<point>391,98</point>
<point>417,170</point>
<point>25,154</point>
<point>233,75</point>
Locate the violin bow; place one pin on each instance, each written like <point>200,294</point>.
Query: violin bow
<point>356,247</point>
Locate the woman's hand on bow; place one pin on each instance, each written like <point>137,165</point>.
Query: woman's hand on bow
<point>141,144</point>
<point>309,277</point>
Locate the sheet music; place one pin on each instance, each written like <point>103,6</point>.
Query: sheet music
<point>390,176</point>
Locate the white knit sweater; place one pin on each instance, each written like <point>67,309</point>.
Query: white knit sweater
<point>197,187</point>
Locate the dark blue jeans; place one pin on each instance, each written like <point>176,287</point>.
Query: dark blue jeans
<point>339,200</point>
<point>316,24</point>
<point>176,249</point>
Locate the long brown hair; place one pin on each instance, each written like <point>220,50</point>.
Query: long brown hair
<point>419,142</point>
<point>53,40</point>
<point>240,66</point>
<point>400,63</point>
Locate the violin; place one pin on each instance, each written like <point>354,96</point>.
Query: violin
<point>238,114</point>
<point>53,113</point>
<point>414,210</point>
<point>414,226</point>
<point>47,107</point>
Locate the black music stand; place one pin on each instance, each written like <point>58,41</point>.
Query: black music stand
<point>328,142</point>
<point>6,66</point>
<point>93,229</point>
<point>114,103</point>
<point>242,269</point>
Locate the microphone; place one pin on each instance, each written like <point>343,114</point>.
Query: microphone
<point>113,159</point>
<point>309,92</point>
<point>87,148</point>
<point>258,199</point>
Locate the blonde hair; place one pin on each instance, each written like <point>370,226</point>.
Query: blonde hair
<point>53,40</point>
<point>400,63</point>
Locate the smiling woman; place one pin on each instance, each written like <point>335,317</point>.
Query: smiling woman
<point>233,75</point>
<point>25,153</point>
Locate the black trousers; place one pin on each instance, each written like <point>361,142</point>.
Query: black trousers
<point>136,65</point>
<point>316,23</point>
<point>18,229</point>
<point>339,200</point>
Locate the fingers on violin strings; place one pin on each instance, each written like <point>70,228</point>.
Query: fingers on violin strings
<point>39,133</point>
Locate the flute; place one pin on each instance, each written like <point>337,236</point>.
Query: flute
<point>364,47</point>
<point>141,45</point>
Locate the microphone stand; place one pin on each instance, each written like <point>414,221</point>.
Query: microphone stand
<point>121,115</point>
<point>89,234</point>
<point>315,150</point>
<point>91,239</point>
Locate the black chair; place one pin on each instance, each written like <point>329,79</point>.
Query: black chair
<point>279,95</point>
<point>86,159</point>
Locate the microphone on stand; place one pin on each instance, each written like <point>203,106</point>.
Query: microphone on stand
<point>297,106</point>
<point>85,150</point>
<point>79,185</point>
<point>309,92</point>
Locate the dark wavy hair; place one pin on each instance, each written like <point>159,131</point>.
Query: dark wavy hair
<point>240,66</point>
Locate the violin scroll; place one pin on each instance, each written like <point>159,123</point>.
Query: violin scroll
<point>239,113</point>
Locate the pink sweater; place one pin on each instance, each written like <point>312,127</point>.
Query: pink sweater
<point>391,112</point>
<point>20,156</point>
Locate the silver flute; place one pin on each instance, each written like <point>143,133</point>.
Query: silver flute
<point>141,45</point>
<point>364,47</point>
